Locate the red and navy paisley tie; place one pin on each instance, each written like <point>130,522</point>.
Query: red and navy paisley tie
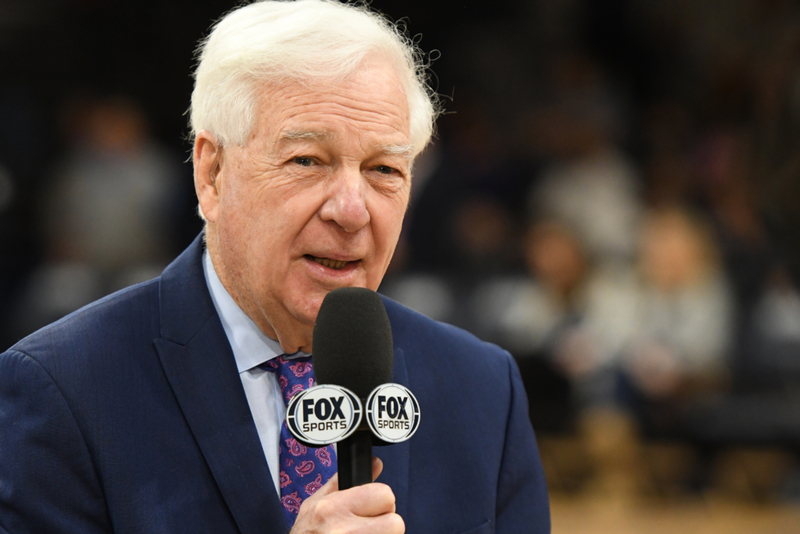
<point>303,469</point>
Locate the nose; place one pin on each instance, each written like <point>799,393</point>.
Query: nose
<point>345,203</point>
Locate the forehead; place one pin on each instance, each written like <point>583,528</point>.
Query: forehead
<point>370,106</point>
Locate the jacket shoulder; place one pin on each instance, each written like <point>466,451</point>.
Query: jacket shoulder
<point>418,334</point>
<point>120,319</point>
<point>412,327</point>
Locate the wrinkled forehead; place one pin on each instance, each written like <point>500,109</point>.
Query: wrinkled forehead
<point>369,104</point>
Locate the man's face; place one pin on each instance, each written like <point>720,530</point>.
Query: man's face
<point>313,201</point>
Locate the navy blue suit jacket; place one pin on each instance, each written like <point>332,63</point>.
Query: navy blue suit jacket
<point>129,416</point>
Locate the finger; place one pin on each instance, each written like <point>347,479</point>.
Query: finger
<point>332,514</point>
<point>369,500</point>
<point>390,524</point>
<point>377,467</point>
<point>385,524</point>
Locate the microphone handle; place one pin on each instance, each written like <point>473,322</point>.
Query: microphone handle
<point>354,456</point>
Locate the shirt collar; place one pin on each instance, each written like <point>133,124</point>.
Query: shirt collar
<point>250,346</point>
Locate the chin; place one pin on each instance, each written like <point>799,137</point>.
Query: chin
<point>306,311</point>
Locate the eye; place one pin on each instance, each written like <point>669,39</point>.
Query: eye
<point>385,169</point>
<point>305,161</point>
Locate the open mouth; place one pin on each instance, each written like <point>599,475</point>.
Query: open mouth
<point>329,263</point>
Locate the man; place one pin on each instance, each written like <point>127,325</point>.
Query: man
<point>153,410</point>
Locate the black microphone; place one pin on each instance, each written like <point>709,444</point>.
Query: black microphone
<point>353,349</point>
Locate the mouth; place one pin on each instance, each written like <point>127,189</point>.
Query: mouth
<point>336,265</point>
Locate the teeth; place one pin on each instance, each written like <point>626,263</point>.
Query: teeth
<point>331,264</point>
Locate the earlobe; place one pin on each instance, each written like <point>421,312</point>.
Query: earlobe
<point>207,158</point>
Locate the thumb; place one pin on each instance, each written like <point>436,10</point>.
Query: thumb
<point>377,468</point>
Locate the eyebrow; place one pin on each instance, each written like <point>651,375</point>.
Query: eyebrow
<point>289,136</point>
<point>305,135</point>
<point>398,150</point>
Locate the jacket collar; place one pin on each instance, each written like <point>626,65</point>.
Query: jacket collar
<point>201,370</point>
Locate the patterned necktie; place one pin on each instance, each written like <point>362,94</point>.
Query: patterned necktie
<point>303,469</point>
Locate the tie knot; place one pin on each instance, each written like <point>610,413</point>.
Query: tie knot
<point>294,375</point>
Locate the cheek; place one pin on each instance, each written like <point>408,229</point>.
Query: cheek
<point>260,216</point>
<point>244,228</point>
<point>387,226</point>
<point>398,214</point>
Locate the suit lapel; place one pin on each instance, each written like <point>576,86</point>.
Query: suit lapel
<point>396,457</point>
<point>201,369</point>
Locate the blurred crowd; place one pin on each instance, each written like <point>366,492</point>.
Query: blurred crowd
<point>614,202</point>
<point>611,197</point>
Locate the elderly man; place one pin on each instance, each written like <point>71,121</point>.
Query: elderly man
<point>158,409</point>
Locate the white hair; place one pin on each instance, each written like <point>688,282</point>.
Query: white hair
<point>303,40</point>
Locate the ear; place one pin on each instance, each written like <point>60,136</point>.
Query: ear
<point>207,158</point>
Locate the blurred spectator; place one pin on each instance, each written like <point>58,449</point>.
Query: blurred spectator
<point>110,201</point>
<point>726,188</point>
<point>562,292</point>
<point>566,321</point>
<point>684,320</point>
<point>597,197</point>
<point>592,187</point>
<point>107,214</point>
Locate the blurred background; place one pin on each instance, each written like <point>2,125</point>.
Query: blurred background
<point>612,196</point>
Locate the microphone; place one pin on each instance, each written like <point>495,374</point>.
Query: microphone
<point>353,349</point>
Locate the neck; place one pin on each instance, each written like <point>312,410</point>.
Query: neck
<point>291,334</point>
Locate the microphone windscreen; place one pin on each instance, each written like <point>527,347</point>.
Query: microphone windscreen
<point>353,341</point>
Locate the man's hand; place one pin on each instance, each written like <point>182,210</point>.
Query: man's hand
<point>363,509</point>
